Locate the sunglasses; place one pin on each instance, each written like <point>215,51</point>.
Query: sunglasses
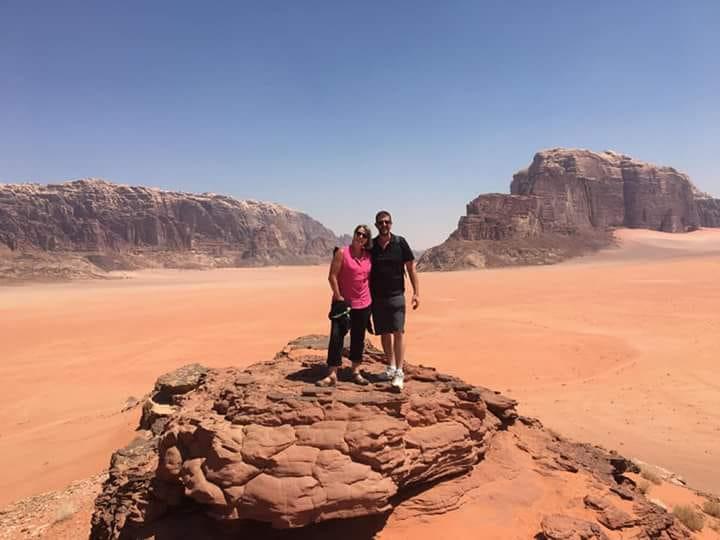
<point>361,234</point>
<point>384,222</point>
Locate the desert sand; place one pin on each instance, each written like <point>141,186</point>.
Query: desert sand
<point>619,349</point>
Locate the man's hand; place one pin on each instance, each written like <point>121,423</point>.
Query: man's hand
<point>412,274</point>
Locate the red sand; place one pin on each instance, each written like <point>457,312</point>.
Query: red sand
<point>618,349</point>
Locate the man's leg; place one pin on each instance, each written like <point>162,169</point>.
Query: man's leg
<point>399,348</point>
<point>387,346</point>
<point>398,325</point>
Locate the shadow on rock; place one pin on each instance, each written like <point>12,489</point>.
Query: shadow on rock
<point>200,526</point>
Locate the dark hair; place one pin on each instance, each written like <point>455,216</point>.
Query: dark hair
<point>366,230</point>
<point>382,213</point>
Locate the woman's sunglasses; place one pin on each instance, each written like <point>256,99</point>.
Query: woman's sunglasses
<point>360,234</point>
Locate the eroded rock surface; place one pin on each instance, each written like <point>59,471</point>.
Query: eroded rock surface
<point>564,204</point>
<point>266,444</point>
<point>89,226</point>
<point>262,450</point>
<point>562,527</point>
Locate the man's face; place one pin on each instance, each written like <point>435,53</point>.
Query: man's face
<point>384,224</point>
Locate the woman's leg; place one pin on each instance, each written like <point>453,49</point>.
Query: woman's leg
<point>338,329</point>
<point>359,321</point>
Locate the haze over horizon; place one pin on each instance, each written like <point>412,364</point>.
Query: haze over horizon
<point>338,109</point>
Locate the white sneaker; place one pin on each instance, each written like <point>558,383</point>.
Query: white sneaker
<point>388,374</point>
<point>398,380</point>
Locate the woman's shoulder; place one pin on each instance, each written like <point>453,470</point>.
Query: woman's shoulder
<point>339,253</point>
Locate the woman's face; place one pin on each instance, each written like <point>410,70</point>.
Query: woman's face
<point>360,238</point>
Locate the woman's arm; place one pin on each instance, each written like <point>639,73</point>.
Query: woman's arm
<point>335,267</point>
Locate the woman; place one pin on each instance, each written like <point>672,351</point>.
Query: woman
<point>348,277</point>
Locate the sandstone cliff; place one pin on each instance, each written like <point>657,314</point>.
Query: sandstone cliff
<point>230,453</point>
<point>564,204</point>
<point>92,225</point>
<point>709,210</point>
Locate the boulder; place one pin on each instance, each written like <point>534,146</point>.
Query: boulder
<point>267,444</point>
<point>562,527</point>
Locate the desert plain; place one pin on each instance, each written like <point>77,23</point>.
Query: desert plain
<point>619,349</point>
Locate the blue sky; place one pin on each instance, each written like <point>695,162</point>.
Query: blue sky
<point>341,108</point>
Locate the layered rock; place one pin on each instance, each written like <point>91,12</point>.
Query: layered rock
<point>708,209</point>
<point>239,453</point>
<point>119,227</point>
<point>564,204</point>
<point>266,444</point>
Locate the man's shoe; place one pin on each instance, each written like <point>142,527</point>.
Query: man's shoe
<point>398,380</point>
<point>388,374</point>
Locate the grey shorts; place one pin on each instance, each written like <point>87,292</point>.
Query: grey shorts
<point>388,314</point>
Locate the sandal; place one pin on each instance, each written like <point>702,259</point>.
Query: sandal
<point>359,379</point>
<point>326,382</point>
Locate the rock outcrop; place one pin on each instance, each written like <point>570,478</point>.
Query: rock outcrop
<point>249,452</point>
<point>564,204</point>
<point>109,226</point>
<point>708,209</point>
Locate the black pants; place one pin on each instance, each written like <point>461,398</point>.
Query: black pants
<point>339,328</point>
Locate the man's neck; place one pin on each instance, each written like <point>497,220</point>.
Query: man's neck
<point>384,239</point>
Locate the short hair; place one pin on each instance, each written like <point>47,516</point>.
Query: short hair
<point>366,230</point>
<point>382,213</point>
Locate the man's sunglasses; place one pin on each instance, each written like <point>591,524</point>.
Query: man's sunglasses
<point>383,222</point>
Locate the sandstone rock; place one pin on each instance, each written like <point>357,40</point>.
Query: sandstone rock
<point>580,189</point>
<point>656,522</point>
<point>708,209</point>
<point>164,400</point>
<point>562,527</point>
<point>253,452</point>
<point>609,515</point>
<point>116,227</point>
<point>564,204</point>
<point>623,492</point>
<point>130,403</point>
<point>180,381</point>
<point>266,444</point>
<point>498,217</point>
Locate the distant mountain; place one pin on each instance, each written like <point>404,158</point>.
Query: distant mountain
<point>566,203</point>
<point>89,226</point>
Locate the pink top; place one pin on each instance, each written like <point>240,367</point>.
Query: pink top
<point>353,279</point>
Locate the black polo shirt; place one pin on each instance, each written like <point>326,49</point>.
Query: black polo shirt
<point>387,277</point>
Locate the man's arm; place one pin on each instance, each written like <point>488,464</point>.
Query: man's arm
<point>335,267</point>
<point>412,274</point>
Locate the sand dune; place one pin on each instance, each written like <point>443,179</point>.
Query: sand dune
<point>619,348</point>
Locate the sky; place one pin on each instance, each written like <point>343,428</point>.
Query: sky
<point>341,108</point>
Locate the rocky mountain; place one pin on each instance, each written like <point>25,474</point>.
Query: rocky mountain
<point>92,225</point>
<point>566,203</point>
<point>231,453</point>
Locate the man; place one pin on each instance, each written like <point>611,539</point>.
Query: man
<point>391,258</point>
